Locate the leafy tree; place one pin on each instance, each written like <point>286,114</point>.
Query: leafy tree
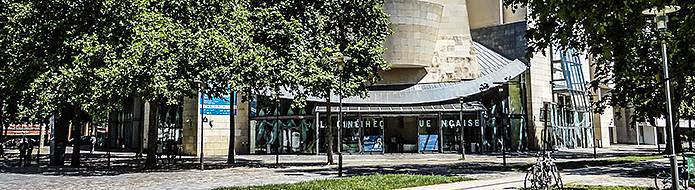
<point>625,49</point>
<point>181,47</point>
<point>80,59</point>
<point>87,56</point>
<point>317,33</point>
<point>48,62</point>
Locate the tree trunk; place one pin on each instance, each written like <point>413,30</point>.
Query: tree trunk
<point>675,127</point>
<point>677,132</point>
<point>2,129</point>
<point>329,130</point>
<point>151,161</point>
<point>10,110</point>
<point>141,129</point>
<point>60,136</point>
<point>231,152</point>
<point>77,136</point>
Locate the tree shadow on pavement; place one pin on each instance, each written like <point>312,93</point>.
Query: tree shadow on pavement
<point>628,169</point>
<point>448,169</point>
<point>98,165</point>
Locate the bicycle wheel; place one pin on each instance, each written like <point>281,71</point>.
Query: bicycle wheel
<point>545,178</point>
<point>684,178</point>
<point>557,176</point>
<point>662,180</point>
<point>533,178</point>
<point>528,180</point>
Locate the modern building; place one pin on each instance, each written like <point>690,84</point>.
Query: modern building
<point>645,133</point>
<point>459,72</point>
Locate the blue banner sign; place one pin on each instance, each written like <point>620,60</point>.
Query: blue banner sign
<point>373,143</point>
<point>215,111</point>
<point>216,105</point>
<point>428,142</point>
<point>252,107</point>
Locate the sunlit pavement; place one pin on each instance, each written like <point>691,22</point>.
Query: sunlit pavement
<point>614,175</point>
<point>261,169</point>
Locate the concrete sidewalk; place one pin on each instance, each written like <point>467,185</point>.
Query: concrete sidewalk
<point>510,182</point>
<point>613,175</point>
<point>260,169</point>
<point>517,181</point>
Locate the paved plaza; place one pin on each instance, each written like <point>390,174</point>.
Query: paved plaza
<point>261,169</point>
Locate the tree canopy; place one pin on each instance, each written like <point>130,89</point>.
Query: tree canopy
<point>318,32</point>
<point>90,55</point>
<point>624,47</point>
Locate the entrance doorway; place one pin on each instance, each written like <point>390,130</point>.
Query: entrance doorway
<point>401,134</point>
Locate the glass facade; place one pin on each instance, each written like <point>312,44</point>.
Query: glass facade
<point>451,131</point>
<point>281,128</point>
<point>428,134</point>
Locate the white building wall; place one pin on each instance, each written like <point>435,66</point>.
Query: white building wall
<point>626,131</point>
<point>648,135</point>
<point>539,91</point>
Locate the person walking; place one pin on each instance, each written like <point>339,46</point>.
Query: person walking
<point>93,140</point>
<point>24,152</point>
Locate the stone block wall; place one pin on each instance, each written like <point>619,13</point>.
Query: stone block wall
<point>430,36</point>
<point>215,136</point>
<point>415,24</point>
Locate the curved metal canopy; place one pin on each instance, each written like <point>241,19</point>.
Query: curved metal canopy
<point>495,69</point>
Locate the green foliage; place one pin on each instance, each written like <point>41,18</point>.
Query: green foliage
<point>93,54</point>
<point>49,53</point>
<point>390,181</point>
<point>317,32</point>
<point>624,46</point>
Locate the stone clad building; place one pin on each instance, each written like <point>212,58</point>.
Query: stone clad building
<point>459,72</point>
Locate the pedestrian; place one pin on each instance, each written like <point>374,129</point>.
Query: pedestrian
<point>2,149</point>
<point>170,150</point>
<point>23,154</point>
<point>159,150</point>
<point>30,149</point>
<point>93,140</point>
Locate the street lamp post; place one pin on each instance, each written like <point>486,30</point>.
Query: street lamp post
<point>505,123</point>
<point>593,128</point>
<point>341,64</point>
<point>463,145</point>
<point>340,120</point>
<point>661,19</point>
<point>202,122</point>
<point>277,128</point>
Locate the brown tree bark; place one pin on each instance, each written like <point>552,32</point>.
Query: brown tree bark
<point>675,124</point>
<point>60,138</point>
<point>77,123</point>
<point>9,111</point>
<point>151,161</point>
<point>2,129</point>
<point>231,152</point>
<point>329,130</point>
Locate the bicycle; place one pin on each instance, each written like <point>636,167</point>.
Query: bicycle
<point>663,179</point>
<point>543,174</point>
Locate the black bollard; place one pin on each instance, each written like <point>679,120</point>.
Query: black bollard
<point>340,164</point>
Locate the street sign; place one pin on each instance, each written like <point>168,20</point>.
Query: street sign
<point>217,105</point>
